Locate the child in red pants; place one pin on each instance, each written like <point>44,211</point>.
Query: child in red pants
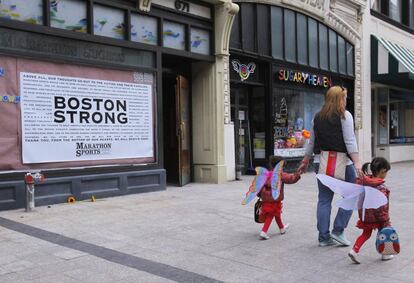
<point>374,218</point>
<point>272,208</point>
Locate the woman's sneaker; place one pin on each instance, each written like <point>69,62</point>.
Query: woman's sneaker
<point>326,243</point>
<point>264,235</point>
<point>284,229</point>
<point>354,256</point>
<point>387,257</point>
<point>341,239</point>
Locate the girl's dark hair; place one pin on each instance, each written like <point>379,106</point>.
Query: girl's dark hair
<point>274,160</point>
<point>376,165</point>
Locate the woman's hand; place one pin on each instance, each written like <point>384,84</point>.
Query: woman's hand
<point>358,169</point>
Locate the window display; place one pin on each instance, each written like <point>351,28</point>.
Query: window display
<point>293,111</point>
<point>401,117</point>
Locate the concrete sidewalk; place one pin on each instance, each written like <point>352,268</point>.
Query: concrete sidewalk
<point>198,233</point>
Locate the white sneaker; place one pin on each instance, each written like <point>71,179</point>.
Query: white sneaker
<point>264,235</point>
<point>387,257</point>
<point>354,256</point>
<point>284,229</point>
<point>341,239</point>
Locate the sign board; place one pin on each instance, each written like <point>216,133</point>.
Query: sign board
<point>290,152</point>
<point>71,119</point>
<point>186,7</point>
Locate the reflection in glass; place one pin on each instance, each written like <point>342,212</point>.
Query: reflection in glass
<point>174,35</point>
<point>108,22</point>
<point>144,29</point>
<point>69,15</point>
<point>22,10</point>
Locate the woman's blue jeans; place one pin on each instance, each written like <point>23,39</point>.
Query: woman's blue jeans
<point>323,212</point>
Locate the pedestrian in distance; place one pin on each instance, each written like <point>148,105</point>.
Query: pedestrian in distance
<point>335,150</point>
<point>272,207</point>
<point>373,218</point>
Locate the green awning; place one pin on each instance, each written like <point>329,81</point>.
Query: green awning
<point>403,55</point>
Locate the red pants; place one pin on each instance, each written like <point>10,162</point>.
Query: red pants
<point>366,234</point>
<point>270,211</point>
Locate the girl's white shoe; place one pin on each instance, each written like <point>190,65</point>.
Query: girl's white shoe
<point>264,235</point>
<point>354,256</point>
<point>284,229</point>
<point>387,257</point>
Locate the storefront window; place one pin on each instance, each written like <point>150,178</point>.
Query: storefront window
<point>401,117</point>
<point>258,123</point>
<point>290,36</point>
<point>174,35</point>
<point>108,22</point>
<point>200,41</point>
<point>144,29</point>
<point>69,15</point>
<point>382,116</point>
<point>293,111</point>
<point>21,10</point>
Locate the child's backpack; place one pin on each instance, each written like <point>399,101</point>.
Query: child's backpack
<point>258,211</point>
<point>388,242</point>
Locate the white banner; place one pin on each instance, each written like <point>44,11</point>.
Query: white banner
<point>72,119</point>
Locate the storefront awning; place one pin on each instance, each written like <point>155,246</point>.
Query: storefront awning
<point>403,55</point>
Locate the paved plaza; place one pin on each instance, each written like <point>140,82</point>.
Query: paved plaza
<point>198,233</point>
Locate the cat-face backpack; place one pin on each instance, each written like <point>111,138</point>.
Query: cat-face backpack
<point>388,242</point>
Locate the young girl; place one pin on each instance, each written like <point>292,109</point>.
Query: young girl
<point>272,208</point>
<point>374,218</point>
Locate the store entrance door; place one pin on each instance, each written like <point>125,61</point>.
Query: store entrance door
<point>177,134</point>
<point>183,129</point>
<point>240,117</point>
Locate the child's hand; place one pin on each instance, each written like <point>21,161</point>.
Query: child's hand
<point>302,167</point>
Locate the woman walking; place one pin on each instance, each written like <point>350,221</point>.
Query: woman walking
<point>333,133</point>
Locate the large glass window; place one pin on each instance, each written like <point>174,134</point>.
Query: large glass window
<point>258,123</point>
<point>108,22</point>
<point>302,33</point>
<point>401,117</point>
<point>263,26</point>
<point>350,59</point>
<point>341,55</point>
<point>382,116</point>
<point>174,35</point>
<point>22,10</point>
<point>313,43</point>
<point>333,55</point>
<point>323,47</point>
<point>144,29</point>
<point>395,10</point>
<point>277,32</point>
<point>248,26</point>
<point>235,40</point>
<point>293,111</point>
<point>290,36</point>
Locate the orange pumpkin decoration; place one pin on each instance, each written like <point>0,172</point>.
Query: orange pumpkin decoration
<point>306,134</point>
